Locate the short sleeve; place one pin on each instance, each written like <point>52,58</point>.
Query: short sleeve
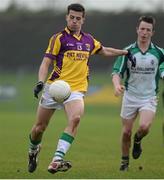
<point>96,46</point>
<point>53,47</point>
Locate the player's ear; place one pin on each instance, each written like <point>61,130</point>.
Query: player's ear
<point>83,20</point>
<point>137,28</point>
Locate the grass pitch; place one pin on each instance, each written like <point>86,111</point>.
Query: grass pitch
<point>95,153</point>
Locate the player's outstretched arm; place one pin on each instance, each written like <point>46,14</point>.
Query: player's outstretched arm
<point>108,51</point>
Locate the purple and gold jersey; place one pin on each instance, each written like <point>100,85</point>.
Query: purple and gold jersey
<point>70,55</point>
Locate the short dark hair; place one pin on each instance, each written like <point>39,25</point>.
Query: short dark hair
<point>148,19</point>
<point>76,7</point>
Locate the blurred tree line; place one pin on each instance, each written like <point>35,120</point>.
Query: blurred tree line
<point>24,35</point>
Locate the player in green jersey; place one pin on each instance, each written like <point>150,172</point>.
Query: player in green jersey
<point>140,88</point>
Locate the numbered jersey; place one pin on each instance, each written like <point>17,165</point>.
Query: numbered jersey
<point>141,80</point>
<point>70,55</point>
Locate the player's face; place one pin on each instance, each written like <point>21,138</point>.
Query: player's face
<point>145,32</point>
<point>74,20</point>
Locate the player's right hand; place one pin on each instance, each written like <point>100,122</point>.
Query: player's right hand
<point>119,90</point>
<point>38,87</point>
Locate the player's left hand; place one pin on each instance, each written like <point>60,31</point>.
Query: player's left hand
<point>131,58</point>
<point>38,88</point>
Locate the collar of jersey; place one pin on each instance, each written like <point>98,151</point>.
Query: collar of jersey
<point>151,45</point>
<point>75,36</point>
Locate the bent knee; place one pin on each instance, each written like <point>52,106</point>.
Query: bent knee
<point>144,128</point>
<point>126,134</point>
<point>76,120</point>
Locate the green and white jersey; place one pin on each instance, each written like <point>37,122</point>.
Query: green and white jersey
<point>141,80</point>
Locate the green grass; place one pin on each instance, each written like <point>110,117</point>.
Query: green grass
<point>95,152</point>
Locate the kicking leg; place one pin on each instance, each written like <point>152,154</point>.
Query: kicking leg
<point>74,110</point>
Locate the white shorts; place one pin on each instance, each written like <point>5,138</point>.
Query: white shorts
<point>47,102</point>
<point>131,105</point>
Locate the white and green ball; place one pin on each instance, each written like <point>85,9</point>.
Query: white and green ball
<point>60,91</point>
